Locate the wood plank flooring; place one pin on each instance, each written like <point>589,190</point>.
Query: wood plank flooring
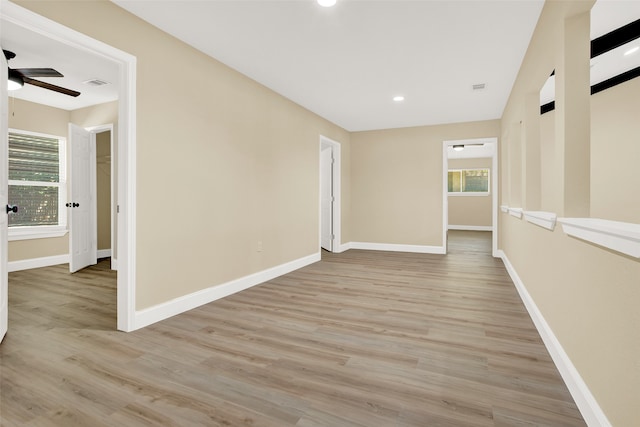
<point>361,338</point>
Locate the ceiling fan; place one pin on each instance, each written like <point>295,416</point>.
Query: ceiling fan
<point>20,76</point>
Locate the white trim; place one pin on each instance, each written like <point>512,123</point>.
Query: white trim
<point>188,302</point>
<point>619,236</point>
<point>337,192</point>
<point>104,253</point>
<point>471,227</point>
<point>515,212</point>
<point>126,143</point>
<point>586,402</point>
<point>421,249</point>
<point>38,232</point>
<point>344,247</point>
<point>469,194</point>
<point>445,194</point>
<point>504,208</point>
<point>27,264</point>
<point>543,219</point>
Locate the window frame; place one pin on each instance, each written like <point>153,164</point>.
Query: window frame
<point>27,232</point>
<point>470,193</point>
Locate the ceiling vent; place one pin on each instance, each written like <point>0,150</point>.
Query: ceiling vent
<point>95,82</point>
<point>479,86</point>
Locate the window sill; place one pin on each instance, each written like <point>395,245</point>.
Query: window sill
<point>28,233</point>
<point>468,194</point>
<point>621,237</point>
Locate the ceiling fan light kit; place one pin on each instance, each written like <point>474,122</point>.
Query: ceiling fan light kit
<point>14,81</point>
<point>19,76</point>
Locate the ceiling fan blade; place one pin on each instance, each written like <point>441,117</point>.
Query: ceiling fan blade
<point>49,86</point>
<point>38,72</point>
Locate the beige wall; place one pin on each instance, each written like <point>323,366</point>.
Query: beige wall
<point>221,165</point>
<point>32,117</point>
<point>588,295</point>
<point>468,210</point>
<point>396,177</point>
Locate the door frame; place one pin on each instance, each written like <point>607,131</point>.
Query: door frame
<point>4,200</point>
<point>94,130</point>
<point>494,189</point>
<point>126,287</point>
<point>325,142</point>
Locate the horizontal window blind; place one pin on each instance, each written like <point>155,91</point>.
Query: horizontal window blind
<point>33,158</point>
<point>34,179</point>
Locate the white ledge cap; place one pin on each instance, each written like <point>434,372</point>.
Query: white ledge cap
<point>517,212</point>
<point>541,218</point>
<point>504,208</point>
<point>622,237</point>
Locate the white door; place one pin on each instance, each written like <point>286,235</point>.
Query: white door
<point>326,198</point>
<point>82,242</point>
<point>4,190</point>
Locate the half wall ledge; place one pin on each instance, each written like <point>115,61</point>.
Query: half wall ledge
<point>543,219</point>
<point>619,236</point>
<point>516,212</point>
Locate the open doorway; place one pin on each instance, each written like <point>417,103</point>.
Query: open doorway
<point>330,221</point>
<point>470,189</point>
<point>25,20</point>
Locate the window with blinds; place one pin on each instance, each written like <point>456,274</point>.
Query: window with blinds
<point>36,179</point>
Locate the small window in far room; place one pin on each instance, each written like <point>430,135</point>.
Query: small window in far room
<point>37,185</point>
<point>468,181</point>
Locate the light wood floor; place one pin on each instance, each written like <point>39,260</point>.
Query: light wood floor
<point>359,339</point>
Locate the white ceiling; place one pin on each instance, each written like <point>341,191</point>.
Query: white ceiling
<point>344,63</point>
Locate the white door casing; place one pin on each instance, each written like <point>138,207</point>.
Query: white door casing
<point>4,191</point>
<point>82,218</point>
<point>326,197</point>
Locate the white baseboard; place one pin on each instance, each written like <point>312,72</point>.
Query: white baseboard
<point>397,248</point>
<point>187,302</point>
<point>104,253</point>
<point>471,227</point>
<point>587,404</point>
<point>343,247</point>
<point>114,264</point>
<point>27,264</point>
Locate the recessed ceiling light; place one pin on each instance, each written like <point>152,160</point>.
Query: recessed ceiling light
<point>327,3</point>
<point>632,51</point>
<point>398,98</point>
